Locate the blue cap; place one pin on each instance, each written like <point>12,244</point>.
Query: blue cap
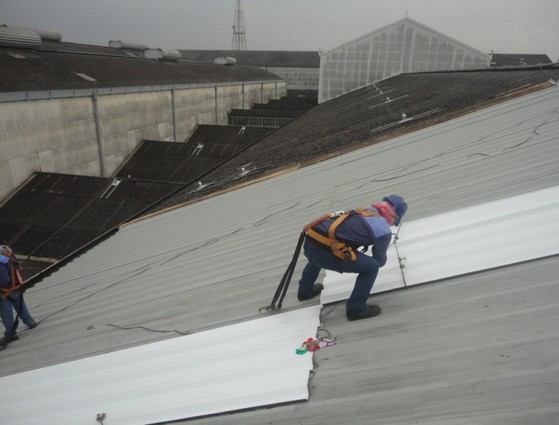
<point>399,205</point>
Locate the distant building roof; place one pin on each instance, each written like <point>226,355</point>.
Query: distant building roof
<point>510,59</point>
<point>207,147</point>
<point>402,47</point>
<point>261,58</point>
<point>56,65</point>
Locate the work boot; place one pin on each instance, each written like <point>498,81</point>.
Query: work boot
<point>32,325</point>
<point>372,311</point>
<point>6,340</point>
<point>316,290</point>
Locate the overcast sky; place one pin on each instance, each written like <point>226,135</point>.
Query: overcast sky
<point>504,26</point>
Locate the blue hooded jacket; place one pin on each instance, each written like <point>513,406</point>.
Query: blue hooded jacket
<point>5,279</point>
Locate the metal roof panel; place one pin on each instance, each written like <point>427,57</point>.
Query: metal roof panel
<point>477,348</point>
<point>230,368</point>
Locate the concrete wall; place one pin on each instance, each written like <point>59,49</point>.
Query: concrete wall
<point>62,135</point>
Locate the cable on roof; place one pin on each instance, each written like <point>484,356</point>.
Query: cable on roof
<point>400,259</point>
<point>147,329</point>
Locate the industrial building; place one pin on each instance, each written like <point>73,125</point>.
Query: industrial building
<point>402,47</point>
<point>167,318</point>
<point>80,109</point>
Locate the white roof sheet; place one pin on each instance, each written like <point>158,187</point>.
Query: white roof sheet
<point>235,367</point>
<point>485,236</point>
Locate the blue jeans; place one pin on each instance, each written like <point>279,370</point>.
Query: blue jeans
<point>6,312</point>
<point>319,258</point>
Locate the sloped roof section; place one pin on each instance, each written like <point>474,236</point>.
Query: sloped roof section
<point>65,66</point>
<point>53,215</point>
<point>171,377</point>
<point>479,348</point>
<point>516,60</point>
<point>376,113</point>
<point>207,147</point>
<point>451,240</point>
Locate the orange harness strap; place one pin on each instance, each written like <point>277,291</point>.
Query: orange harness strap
<point>16,278</point>
<point>339,249</point>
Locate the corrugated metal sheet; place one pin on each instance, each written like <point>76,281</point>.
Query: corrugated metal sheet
<point>231,368</point>
<point>480,349</point>
<point>477,349</point>
<point>19,37</point>
<point>468,240</point>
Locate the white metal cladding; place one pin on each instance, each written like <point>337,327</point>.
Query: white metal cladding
<point>245,365</point>
<point>494,234</point>
<point>404,46</point>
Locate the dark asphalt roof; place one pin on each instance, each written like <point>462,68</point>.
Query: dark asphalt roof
<point>371,115</point>
<point>53,215</point>
<point>259,112</point>
<point>74,211</point>
<point>293,103</point>
<point>262,58</point>
<point>207,147</point>
<point>55,66</point>
<point>509,59</point>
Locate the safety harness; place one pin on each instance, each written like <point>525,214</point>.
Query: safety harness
<point>14,270</point>
<point>339,249</point>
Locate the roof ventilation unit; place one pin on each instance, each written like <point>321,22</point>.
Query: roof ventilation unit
<point>19,37</point>
<point>117,44</point>
<point>162,54</point>
<point>225,60</point>
<point>48,35</point>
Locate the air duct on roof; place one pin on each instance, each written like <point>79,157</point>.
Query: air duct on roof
<point>162,54</point>
<point>117,44</point>
<point>19,37</point>
<point>48,35</point>
<point>225,60</point>
<point>44,34</point>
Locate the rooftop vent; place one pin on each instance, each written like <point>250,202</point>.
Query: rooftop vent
<point>162,54</point>
<point>117,44</point>
<point>19,37</point>
<point>225,60</point>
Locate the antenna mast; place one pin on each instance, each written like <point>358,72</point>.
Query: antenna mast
<point>239,34</point>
